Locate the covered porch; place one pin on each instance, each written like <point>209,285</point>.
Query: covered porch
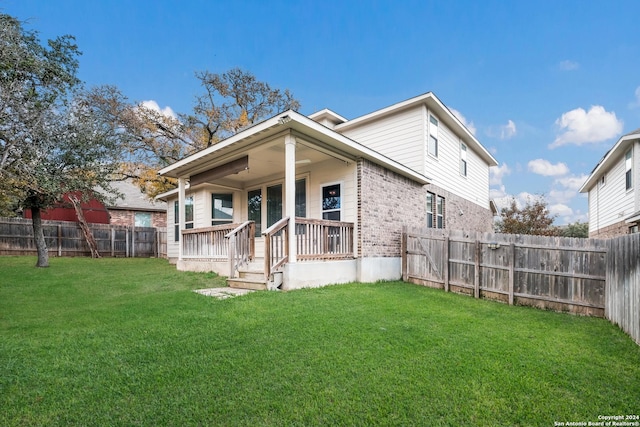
<point>259,204</point>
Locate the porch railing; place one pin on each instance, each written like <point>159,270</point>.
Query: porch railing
<point>321,239</point>
<point>316,239</point>
<point>206,243</point>
<point>276,246</point>
<point>242,247</point>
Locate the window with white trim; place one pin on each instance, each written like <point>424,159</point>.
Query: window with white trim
<point>221,208</point>
<point>430,203</point>
<point>188,216</point>
<point>439,212</point>
<point>435,211</point>
<point>463,159</point>
<point>331,202</point>
<point>433,136</point>
<point>628,163</point>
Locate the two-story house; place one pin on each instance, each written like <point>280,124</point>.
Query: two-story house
<point>612,186</point>
<point>321,199</point>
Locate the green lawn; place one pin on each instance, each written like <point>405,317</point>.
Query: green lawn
<point>125,342</point>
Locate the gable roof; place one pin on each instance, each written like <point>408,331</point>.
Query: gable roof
<point>134,199</point>
<point>289,121</point>
<point>609,159</point>
<point>434,104</point>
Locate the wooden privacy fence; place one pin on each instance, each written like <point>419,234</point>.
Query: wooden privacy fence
<point>65,238</point>
<point>585,276</point>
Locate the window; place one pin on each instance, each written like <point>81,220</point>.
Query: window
<point>188,212</point>
<point>602,181</point>
<point>301,198</point>
<point>463,159</point>
<point>628,162</point>
<point>331,196</point>
<point>254,203</point>
<point>188,216</point>
<point>274,204</point>
<point>221,209</point>
<point>433,136</point>
<point>440,212</point>
<point>430,200</point>
<point>142,219</point>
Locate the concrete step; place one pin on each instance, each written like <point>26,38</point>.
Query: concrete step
<point>240,283</point>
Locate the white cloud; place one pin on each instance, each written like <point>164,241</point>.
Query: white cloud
<point>153,105</point>
<point>572,182</point>
<point>583,127</point>
<point>546,168</point>
<point>496,173</point>
<point>560,210</point>
<point>507,131</point>
<point>568,65</point>
<point>468,125</point>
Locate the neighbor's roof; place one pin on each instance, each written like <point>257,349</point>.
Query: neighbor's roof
<point>134,199</point>
<point>609,159</point>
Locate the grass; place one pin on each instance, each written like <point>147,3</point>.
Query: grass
<point>124,342</point>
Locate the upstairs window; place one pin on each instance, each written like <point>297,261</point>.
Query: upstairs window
<point>221,209</point>
<point>463,159</point>
<point>433,137</point>
<point>628,163</point>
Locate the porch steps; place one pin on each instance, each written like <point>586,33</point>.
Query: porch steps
<point>252,277</point>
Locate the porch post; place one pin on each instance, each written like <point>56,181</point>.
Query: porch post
<point>290,192</point>
<point>181,210</point>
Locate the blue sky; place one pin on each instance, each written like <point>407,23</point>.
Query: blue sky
<point>547,86</point>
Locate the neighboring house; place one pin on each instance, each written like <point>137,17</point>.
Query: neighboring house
<point>324,199</point>
<point>614,196</point>
<point>135,208</point>
<point>132,209</point>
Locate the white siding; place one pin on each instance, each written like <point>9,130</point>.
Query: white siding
<point>444,171</point>
<point>611,202</point>
<point>399,136</point>
<point>403,137</point>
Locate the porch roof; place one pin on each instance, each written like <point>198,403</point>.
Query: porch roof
<point>322,138</point>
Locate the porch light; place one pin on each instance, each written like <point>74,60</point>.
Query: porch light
<point>284,119</point>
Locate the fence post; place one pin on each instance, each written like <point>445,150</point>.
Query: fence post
<point>512,262</point>
<point>476,281</point>
<point>113,241</point>
<point>445,257</point>
<point>59,240</point>
<point>126,242</point>
<point>133,241</point>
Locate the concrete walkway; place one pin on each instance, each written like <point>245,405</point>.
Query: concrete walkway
<point>223,293</point>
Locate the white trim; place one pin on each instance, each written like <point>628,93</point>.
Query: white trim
<point>341,210</point>
<point>608,160</point>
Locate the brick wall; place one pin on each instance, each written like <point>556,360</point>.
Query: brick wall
<point>614,230</point>
<point>388,201</point>
<point>127,218</point>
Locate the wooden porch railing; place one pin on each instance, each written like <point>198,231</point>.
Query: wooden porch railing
<point>242,247</point>
<point>276,246</point>
<point>316,239</point>
<point>208,242</point>
<point>321,239</point>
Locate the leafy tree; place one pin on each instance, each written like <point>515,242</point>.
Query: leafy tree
<point>533,218</point>
<point>231,102</point>
<point>577,229</point>
<point>52,140</point>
